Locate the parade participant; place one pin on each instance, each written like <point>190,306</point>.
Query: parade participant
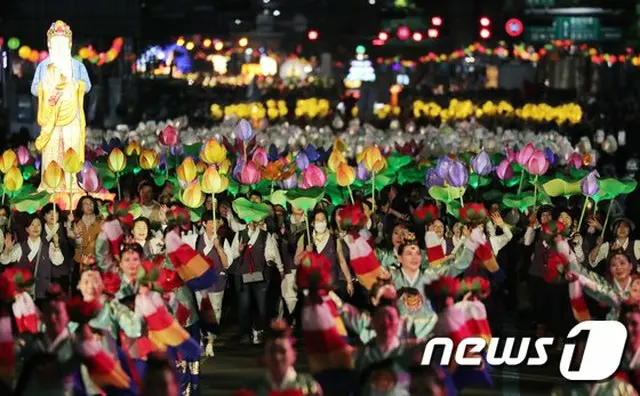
<point>622,229</point>
<point>253,250</point>
<point>34,254</point>
<point>323,242</point>
<point>54,226</point>
<point>85,227</point>
<point>383,363</point>
<point>131,257</point>
<point>56,378</point>
<point>150,209</point>
<point>209,246</point>
<point>142,235</point>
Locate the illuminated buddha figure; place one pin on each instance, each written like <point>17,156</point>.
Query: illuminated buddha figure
<point>60,83</point>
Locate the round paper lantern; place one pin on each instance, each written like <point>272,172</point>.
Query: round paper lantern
<point>43,55</point>
<point>34,56</point>
<point>24,52</point>
<point>84,53</point>
<point>13,43</point>
<point>403,32</point>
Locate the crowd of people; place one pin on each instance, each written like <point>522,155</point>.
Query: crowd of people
<point>149,288</point>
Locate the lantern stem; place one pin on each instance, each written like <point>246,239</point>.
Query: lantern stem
<point>213,206</point>
<point>520,185</point>
<point>306,220</point>
<point>535,192</point>
<point>606,220</point>
<point>373,192</point>
<point>584,209</point>
<point>351,195</point>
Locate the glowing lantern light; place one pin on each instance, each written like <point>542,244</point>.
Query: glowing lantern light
<point>190,46</point>
<point>417,36</point>
<point>313,35</point>
<point>433,33</point>
<point>13,43</point>
<point>403,32</point>
<point>436,21</point>
<point>219,45</point>
<point>243,42</point>
<point>24,52</point>
<point>207,43</point>
<point>383,36</point>
<point>484,21</point>
<point>485,33</point>
<point>180,42</point>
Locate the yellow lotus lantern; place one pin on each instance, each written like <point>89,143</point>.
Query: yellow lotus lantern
<point>71,162</point>
<point>335,159</point>
<point>213,152</point>
<point>187,171</point>
<point>373,159</point>
<point>345,175</point>
<point>149,159</point>
<point>213,182</point>
<point>116,161</point>
<point>53,175</point>
<point>192,196</point>
<point>13,180</point>
<point>133,148</point>
<point>8,160</point>
<point>224,167</point>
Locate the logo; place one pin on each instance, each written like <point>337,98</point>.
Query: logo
<point>601,358</point>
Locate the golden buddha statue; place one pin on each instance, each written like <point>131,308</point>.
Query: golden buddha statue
<point>60,83</point>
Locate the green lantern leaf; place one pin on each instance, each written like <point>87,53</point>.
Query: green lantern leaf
<point>411,175</point>
<point>250,211</point>
<point>263,187</point>
<point>30,203</point>
<point>397,161</point>
<point>578,173</point>
<point>476,181</point>
<point>28,172</point>
<point>611,188</point>
<point>234,187</point>
<point>446,194</point>
<point>385,178</point>
<point>453,208</point>
<point>279,197</point>
<point>559,187</point>
<point>524,201</point>
<point>159,179</point>
<point>196,214</point>
<point>305,199</point>
<point>514,181</point>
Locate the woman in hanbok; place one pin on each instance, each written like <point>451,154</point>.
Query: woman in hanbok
<point>54,225</point>
<point>324,242</point>
<point>142,235</point>
<point>113,319</point>
<point>34,254</point>
<point>383,363</point>
<point>209,246</point>
<point>388,256</point>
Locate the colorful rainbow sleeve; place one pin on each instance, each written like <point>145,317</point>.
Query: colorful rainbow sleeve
<point>25,313</point>
<point>193,268</point>
<point>103,369</point>
<point>435,252</point>
<point>364,262</point>
<point>113,230</point>
<point>578,304</point>
<point>164,329</point>
<point>326,348</point>
<point>340,327</point>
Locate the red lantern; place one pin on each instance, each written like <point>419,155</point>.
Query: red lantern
<point>403,32</point>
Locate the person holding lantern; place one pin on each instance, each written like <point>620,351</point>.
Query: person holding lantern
<point>622,229</point>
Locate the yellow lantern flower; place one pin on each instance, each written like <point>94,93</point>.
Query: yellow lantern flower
<point>54,174</point>
<point>116,160</point>
<point>8,160</point>
<point>338,144</point>
<point>133,148</point>
<point>192,196</point>
<point>373,159</point>
<point>213,182</point>
<point>213,152</point>
<point>13,180</point>
<point>201,167</point>
<point>149,159</point>
<point>224,167</point>
<point>345,175</point>
<point>71,162</point>
<point>187,171</point>
<point>335,159</point>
